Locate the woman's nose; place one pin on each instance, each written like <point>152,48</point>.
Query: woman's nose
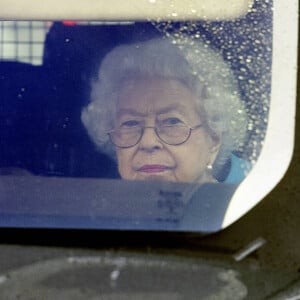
<point>150,141</point>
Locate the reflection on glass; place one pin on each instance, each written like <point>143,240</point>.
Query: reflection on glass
<point>156,102</point>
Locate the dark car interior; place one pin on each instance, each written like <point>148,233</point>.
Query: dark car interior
<point>41,130</point>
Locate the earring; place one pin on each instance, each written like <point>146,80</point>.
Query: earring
<point>209,167</point>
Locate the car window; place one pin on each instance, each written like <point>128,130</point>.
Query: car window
<point>127,123</point>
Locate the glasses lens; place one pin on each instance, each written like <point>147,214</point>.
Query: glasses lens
<point>174,135</point>
<point>171,134</point>
<point>126,137</point>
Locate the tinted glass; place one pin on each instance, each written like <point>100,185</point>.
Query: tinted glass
<point>60,168</point>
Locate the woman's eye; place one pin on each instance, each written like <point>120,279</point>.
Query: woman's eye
<point>130,123</point>
<point>172,121</point>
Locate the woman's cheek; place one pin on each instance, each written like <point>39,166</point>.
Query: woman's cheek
<point>125,161</point>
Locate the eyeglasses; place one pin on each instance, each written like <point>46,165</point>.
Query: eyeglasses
<point>169,134</point>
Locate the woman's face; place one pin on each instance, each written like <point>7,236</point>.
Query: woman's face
<point>152,102</point>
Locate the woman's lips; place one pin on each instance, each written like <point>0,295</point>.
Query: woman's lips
<point>154,168</point>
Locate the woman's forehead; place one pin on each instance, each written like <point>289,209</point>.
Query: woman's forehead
<point>162,109</point>
<point>155,95</point>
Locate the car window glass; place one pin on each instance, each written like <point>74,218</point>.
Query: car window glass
<point>53,154</point>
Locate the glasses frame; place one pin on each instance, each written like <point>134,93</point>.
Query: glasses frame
<point>156,130</point>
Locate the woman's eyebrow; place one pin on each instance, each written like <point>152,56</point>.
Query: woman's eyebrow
<point>173,108</point>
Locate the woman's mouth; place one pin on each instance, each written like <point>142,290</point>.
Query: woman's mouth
<point>154,168</point>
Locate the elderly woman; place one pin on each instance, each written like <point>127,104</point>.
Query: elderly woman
<point>166,110</point>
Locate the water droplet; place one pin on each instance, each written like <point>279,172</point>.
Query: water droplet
<point>3,278</point>
<point>114,275</point>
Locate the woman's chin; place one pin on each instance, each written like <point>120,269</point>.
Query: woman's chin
<point>168,176</point>
<point>155,177</point>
